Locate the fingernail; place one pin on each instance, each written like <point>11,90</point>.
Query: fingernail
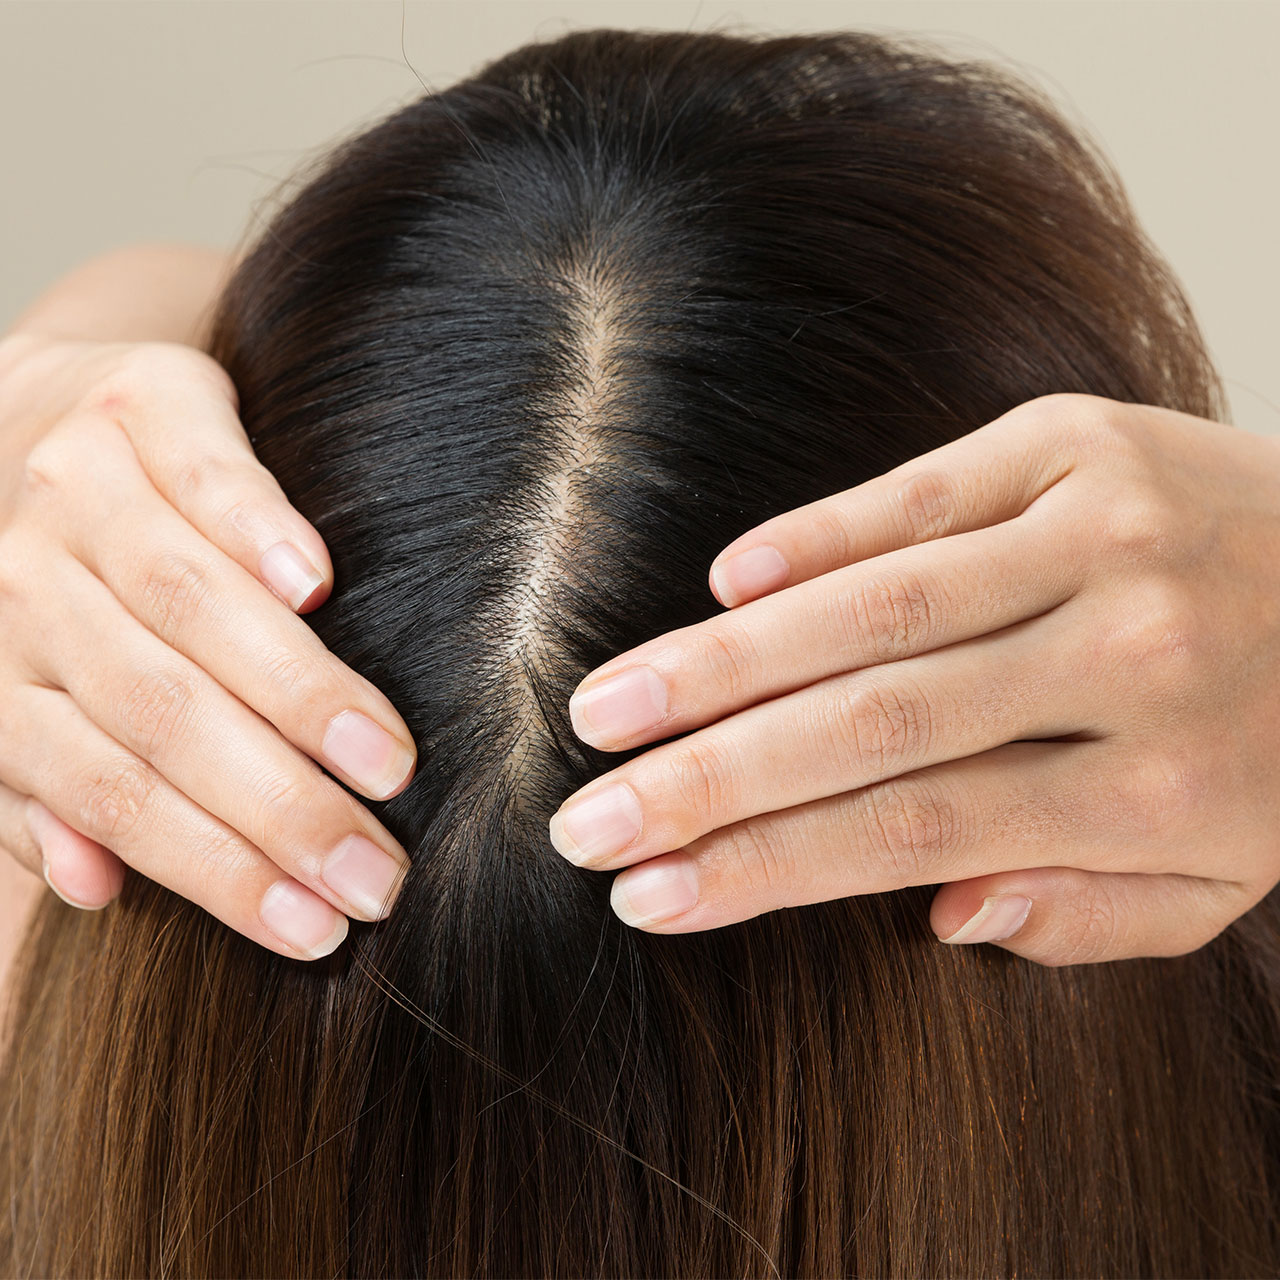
<point>654,891</point>
<point>749,574</point>
<point>999,917</point>
<point>362,875</point>
<point>597,826</point>
<point>620,707</point>
<point>375,761</point>
<point>43,829</point>
<point>301,920</point>
<point>66,897</point>
<point>289,574</point>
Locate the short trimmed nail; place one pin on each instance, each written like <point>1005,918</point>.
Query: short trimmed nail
<point>749,574</point>
<point>621,706</point>
<point>289,574</point>
<point>654,891</point>
<point>301,920</point>
<point>598,825</point>
<point>362,875</point>
<point>43,827</point>
<point>999,917</point>
<point>66,897</point>
<point>375,761</point>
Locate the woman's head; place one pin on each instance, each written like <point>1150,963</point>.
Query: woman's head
<point>528,354</point>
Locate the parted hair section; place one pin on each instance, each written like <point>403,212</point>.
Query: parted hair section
<point>528,353</point>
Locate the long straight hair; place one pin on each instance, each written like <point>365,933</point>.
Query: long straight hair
<point>528,353</point>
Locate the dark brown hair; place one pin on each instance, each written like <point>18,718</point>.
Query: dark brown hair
<point>529,353</point>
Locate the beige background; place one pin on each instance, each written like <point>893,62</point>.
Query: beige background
<point>173,120</point>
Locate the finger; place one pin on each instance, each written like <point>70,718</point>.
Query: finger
<point>220,753</point>
<point>49,748</point>
<point>989,475</point>
<point>881,610</point>
<point>179,410</point>
<point>79,870</point>
<point>1061,915</point>
<point>834,736</point>
<point>1019,806</point>
<point>203,605</point>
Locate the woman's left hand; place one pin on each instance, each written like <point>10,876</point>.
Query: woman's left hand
<point>1040,663</point>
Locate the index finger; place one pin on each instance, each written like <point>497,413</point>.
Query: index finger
<point>990,475</point>
<point>180,411</point>
<point>196,599</point>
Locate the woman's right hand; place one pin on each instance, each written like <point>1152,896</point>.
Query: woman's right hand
<point>160,707</point>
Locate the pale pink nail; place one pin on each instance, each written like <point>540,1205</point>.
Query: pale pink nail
<point>619,707</point>
<point>375,762</point>
<point>363,875</point>
<point>1000,916</point>
<point>302,921</point>
<point>749,574</point>
<point>55,839</point>
<point>289,574</point>
<point>598,825</point>
<point>654,891</point>
<point>68,898</point>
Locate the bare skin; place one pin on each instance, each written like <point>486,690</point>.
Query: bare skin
<point>1036,666</point>
<point>161,693</point>
<point>1039,664</point>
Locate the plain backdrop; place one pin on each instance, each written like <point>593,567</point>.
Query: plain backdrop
<point>175,120</point>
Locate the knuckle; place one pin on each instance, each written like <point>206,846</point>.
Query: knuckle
<point>914,825</point>
<point>175,591</point>
<point>237,517</point>
<point>700,780</point>
<point>145,364</point>
<point>729,656</point>
<point>198,365</point>
<point>893,611</point>
<point>157,710</point>
<point>114,797</point>
<point>56,465</point>
<point>886,727</point>
<point>1165,793</point>
<point>758,861</point>
<point>1141,527</point>
<point>295,678</point>
<point>1066,409</point>
<point>1089,929</point>
<point>198,475</point>
<point>141,368</point>
<point>126,383</point>
<point>1162,644</point>
<point>54,460</point>
<point>1095,426</point>
<point>827,530</point>
<point>284,806</point>
<point>1165,640</point>
<point>221,854</point>
<point>926,500</point>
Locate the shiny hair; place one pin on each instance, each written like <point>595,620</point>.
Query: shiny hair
<point>528,353</point>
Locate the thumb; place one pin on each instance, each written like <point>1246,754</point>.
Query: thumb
<point>80,871</point>
<point>1062,915</point>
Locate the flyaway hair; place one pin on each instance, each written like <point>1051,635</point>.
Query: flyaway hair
<point>528,353</point>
